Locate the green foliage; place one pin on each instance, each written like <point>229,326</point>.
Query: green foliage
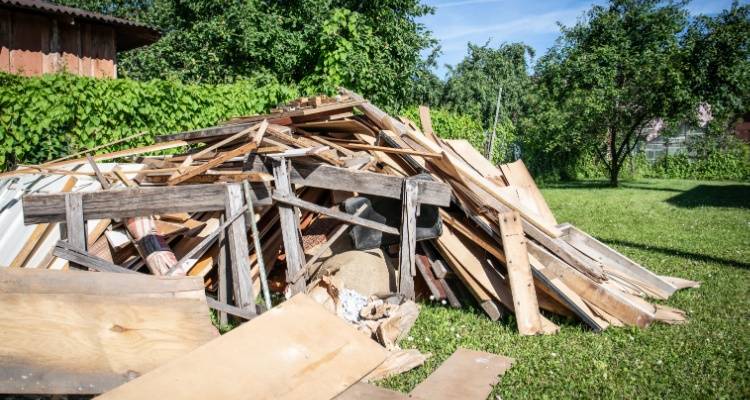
<point>472,86</point>
<point>690,229</point>
<point>451,125</point>
<point>46,117</point>
<point>717,56</point>
<point>372,47</point>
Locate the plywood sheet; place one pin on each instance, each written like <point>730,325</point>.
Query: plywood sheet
<point>466,374</point>
<point>297,350</point>
<point>75,332</point>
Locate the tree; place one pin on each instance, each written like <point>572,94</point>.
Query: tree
<point>717,56</point>
<point>372,47</point>
<point>616,71</point>
<point>473,85</point>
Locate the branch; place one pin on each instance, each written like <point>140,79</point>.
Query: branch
<point>601,157</point>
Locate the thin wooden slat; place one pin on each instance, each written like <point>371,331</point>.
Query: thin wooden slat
<point>245,148</point>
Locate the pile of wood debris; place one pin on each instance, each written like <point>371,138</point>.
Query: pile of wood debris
<point>330,197</point>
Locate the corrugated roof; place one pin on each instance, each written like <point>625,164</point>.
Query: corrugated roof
<point>130,34</point>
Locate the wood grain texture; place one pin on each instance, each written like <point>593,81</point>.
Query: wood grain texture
<point>295,256</point>
<point>273,356</point>
<point>366,391</point>
<point>132,202</point>
<point>519,274</point>
<point>333,178</point>
<point>408,247</point>
<point>466,374</point>
<point>76,332</point>
<point>236,236</point>
<point>516,174</point>
<point>74,222</point>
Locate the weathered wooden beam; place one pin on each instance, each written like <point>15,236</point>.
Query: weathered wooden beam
<point>333,178</point>
<point>295,256</point>
<point>74,222</point>
<point>236,236</point>
<point>132,202</point>
<point>256,244</point>
<point>407,251</point>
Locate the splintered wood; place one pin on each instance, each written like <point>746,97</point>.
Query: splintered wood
<point>322,189</point>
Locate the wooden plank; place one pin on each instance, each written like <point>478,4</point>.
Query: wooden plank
<point>223,289</point>
<point>426,122</point>
<point>244,149</point>
<point>131,202</point>
<point>617,264</point>
<point>333,178</point>
<point>263,275</point>
<point>295,256</point>
<point>101,157</point>
<point>76,255</point>
<point>519,274</point>
<point>87,332</point>
<point>348,218</point>
<point>611,301</point>
<point>407,250</point>
<point>238,249</point>
<point>99,176</point>
<point>281,355</point>
<point>389,150</point>
<point>516,174</point>
<point>74,222</point>
<point>466,374</point>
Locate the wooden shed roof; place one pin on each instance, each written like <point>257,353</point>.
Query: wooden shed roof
<point>130,34</point>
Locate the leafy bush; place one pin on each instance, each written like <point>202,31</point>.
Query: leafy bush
<point>450,125</point>
<point>42,118</point>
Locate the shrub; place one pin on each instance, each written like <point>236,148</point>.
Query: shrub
<point>43,118</point>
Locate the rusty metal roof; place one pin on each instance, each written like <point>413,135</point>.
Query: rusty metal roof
<point>130,34</point>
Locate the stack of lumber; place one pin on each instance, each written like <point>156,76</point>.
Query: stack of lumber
<point>258,204</point>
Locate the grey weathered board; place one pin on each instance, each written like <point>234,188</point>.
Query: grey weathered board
<point>333,178</point>
<point>133,202</point>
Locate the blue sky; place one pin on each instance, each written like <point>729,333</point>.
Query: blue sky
<point>534,22</point>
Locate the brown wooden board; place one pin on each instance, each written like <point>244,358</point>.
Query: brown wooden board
<point>297,350</point>
<point>72,332</point>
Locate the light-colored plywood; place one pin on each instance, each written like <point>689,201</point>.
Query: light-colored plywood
<point>79,332</point>
<point>519,274</point>
<point>516,174</point>
<point>297,350</point>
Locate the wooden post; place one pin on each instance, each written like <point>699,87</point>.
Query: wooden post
<point>74,224</point>
<point>519,274</point>
<point>222,265</point>
<point>407,256</point>
<point>256,244</point>
<point>238,250</point>
<point>290,231</point>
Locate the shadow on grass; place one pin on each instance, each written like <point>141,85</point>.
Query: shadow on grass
<point>679,253</point>
<point>736,196</point>
<point>592,184</point>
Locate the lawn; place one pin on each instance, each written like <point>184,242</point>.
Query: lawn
<point>696,230</point>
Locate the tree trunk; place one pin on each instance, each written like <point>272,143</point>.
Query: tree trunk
<point>614,163</point>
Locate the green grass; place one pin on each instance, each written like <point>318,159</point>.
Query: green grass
<point>696,230</point>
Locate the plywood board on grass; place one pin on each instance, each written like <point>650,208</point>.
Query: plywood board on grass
<point>297,350</point>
